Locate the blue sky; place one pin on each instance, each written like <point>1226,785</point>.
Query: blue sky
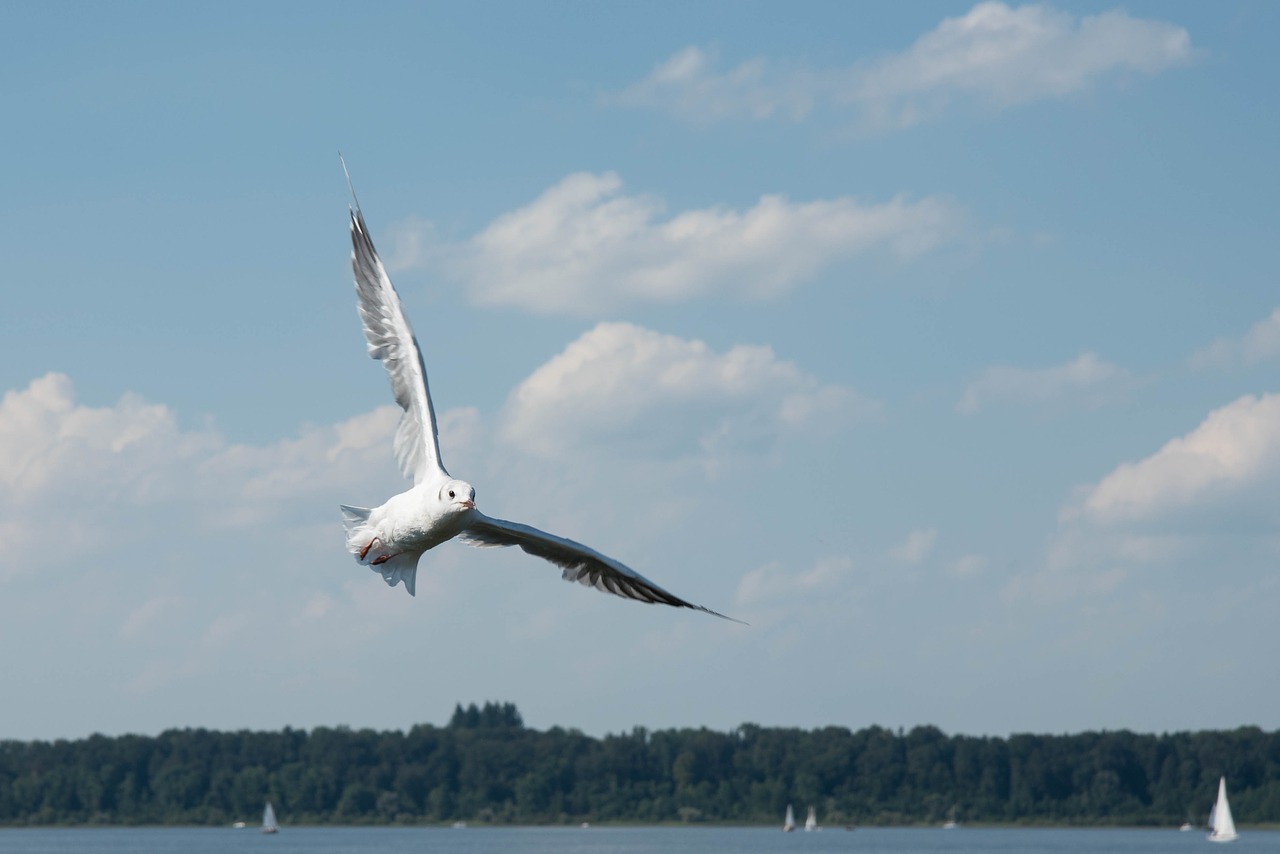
<point>937,341</point>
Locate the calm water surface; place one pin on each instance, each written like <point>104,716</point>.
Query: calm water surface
<point>606,840</point>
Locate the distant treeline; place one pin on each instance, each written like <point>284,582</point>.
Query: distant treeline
<point>485,766</point>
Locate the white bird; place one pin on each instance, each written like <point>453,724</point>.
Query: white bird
<point>391,538</point>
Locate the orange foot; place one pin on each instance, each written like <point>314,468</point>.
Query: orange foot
<point>379,560</point>
<point>364,551</point>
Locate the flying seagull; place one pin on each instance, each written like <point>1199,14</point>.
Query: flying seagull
<point>390,539</point>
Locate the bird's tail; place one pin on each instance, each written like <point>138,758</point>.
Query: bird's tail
<point>402,567</point>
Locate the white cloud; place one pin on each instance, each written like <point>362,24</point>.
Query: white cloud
<point>627,386</point>
<point>1234,448</point>
<point>100,480</point>
<point>994,54</point>
<point>89,477</point>
<point>771,582</point>
<point>1205,499</point>
<point>688,84</point>
<point>149,612</point>
<point>968,566</point>
<point>1085,379</point>
<point>188,555</point>
<point>583,247</point>
<point>1260,344</point>
<point>916,547</point>
<point>45,436</point>
<point>1008,56</point>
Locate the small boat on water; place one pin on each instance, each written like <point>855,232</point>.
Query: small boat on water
<point>789,823</point>
<point>269,824</point>
<point>1224,826</point>
<point>811,821</point>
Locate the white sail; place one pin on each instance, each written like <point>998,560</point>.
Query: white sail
<point>811,821</point>
<point>1224,827</point>
<point>789,823</point>
<point>269,819</point>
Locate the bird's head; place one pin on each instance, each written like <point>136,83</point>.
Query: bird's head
<point>458,495</point>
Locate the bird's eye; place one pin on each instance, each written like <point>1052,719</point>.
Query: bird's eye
<point>451,495</point>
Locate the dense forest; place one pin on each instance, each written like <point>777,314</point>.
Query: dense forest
<point>486,766</point>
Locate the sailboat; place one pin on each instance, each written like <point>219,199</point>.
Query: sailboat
<point>269,820</point>
<point>789,823</point>
<point>811,821</point>
<point>1224,827</point>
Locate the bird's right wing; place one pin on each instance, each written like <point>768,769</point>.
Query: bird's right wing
<point>391,340</point>
<point>580,563</point>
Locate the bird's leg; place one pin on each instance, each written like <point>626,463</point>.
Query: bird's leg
<point>364,551</point>
<point>380,559</point>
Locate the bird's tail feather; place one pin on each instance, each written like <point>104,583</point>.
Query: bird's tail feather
<point>402,567</point>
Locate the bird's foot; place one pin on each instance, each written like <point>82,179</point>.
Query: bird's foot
<point>364,551</point>
<point>380,559</point>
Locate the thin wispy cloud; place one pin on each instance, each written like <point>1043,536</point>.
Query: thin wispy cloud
<point>916,547</point>
<point>967,566</point>
<point>584,247</point>
<point>773,582</point>
<point>1087,380</point>
<point>995,56</point>
<point>689,85</point>
<point>1260,344</point>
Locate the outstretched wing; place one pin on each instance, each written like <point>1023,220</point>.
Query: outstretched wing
<point>391,340</point>
<point>584,565</point>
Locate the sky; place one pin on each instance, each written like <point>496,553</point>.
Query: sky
<point>936,341</point>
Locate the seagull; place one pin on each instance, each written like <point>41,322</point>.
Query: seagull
<point>391,538</point>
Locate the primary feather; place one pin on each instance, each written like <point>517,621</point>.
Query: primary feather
<point>391,340</point>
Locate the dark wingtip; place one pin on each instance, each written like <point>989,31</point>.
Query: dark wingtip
<point>722,616</point>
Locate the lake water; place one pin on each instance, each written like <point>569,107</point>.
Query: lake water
<point>619,840</point>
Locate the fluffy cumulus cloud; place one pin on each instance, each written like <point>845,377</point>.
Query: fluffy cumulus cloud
<point>1206,498</point>
<point>1086,379</point>
<point>185,554</point>
<point>47,438</point>
<point>65,468</point>
<point>995,54</point>
<point>637,389</point>
<point>94,477</point>
<point>1260,344</point>
<point>584,247</point>
<point>1234,449</point>
<point>101,480</point>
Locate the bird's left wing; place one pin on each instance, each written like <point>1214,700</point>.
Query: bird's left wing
<point>580,563</point>
<point>391,340</point>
